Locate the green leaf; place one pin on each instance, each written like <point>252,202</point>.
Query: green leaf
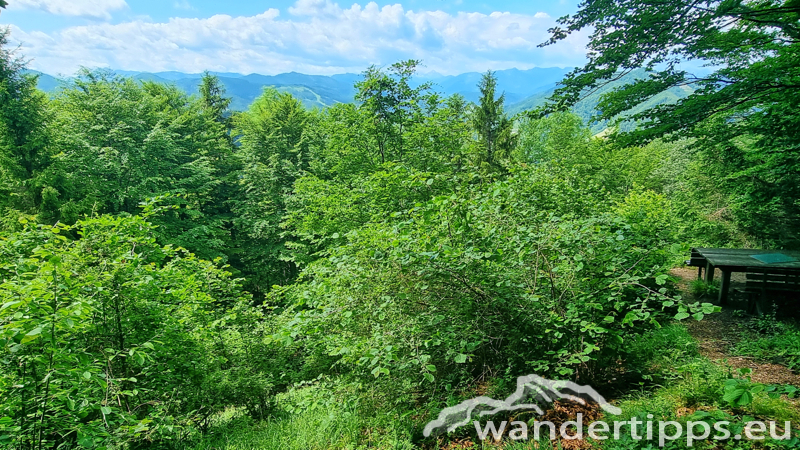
<point>681,315</point>
<point>428,377</point>
<point>461,358</point>
<point>733,395</point>
<point>31,335</point>
<point>9,304</point>
<point>34,332</point>
<point>745,399</point>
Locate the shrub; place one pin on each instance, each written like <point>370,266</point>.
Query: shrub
<point>522,276</point>
<point>114,338</point>
<point>701,289</point>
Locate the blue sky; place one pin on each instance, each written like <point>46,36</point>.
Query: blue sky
<point>309,36</point>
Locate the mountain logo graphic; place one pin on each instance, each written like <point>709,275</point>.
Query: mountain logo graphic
<point>532,392</point>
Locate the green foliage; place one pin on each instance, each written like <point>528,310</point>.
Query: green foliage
<point>739,392</point>
<point>496,137</point>
<point>404,251</point>
<point>649,213</point>
<point>773,341</point>
<point>23,134</point>
<point>559,135</point>
<point>212,94</point>
<point>505,275</point>
<point>275,150</point>
<point>114,338</point>
<point>700,289</point>
<point>392,105</point>
<point>657,354</point>
<point>320,214</point>
<point>563,138</point>
<point>740,114</point>
<point>117,143</point>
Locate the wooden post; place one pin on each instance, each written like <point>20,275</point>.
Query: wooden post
<point>726,284</point>
<point>709,273</point>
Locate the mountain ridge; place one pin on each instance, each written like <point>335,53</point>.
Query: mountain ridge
<point>319,91</point>
<point>523,89</point>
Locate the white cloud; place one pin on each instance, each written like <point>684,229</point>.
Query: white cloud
<point>318,36</point>
<point>96,9</point>
<point>314,8</point>
<point>183,4</point>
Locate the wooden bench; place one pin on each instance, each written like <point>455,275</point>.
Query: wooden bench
<point>762,284</point>
<point>697,260</point>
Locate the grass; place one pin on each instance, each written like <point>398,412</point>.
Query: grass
<point>316,429</point>
<point>701,289</point>
<point>655,355</point>
<point>771,340</point>
<point>678,385</point>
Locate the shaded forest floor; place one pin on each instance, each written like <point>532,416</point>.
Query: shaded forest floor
<point>718,334</point>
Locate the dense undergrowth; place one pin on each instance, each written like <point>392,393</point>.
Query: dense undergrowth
<point>771,340</point>
<point>675,383</point>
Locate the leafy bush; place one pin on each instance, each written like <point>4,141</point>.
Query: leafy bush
<point>112,337</point>
<point>517,276</point>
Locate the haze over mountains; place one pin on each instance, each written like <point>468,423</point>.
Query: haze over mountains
<point>524,89</point>
<point>321,91</point>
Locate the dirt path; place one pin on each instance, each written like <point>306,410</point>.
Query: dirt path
<point>719,333</point>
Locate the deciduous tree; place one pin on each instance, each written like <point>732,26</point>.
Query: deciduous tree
<point>743,113</point>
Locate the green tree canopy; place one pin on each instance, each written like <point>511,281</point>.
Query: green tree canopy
<point>212,96</point>
<point>274,151</point>
<point>743,114</point>
<point>23,137</point>
<point>387,96</point>
<point>753,45</point>
<point>496,138</point>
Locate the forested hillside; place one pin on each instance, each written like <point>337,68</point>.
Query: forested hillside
<point>587,107</point>
<point>178,274</point>
<point>317,91</point>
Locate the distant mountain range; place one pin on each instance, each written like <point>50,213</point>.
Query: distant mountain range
<point>524,89</point>
<point>587,107</point>
<point>319,91</point>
